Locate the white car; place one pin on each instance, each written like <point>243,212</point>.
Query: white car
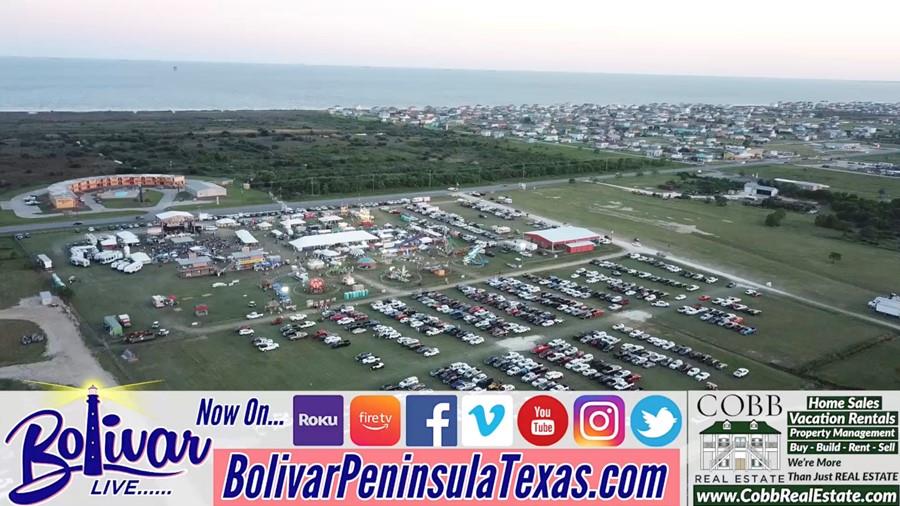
<point>371,359</point>
<point>680,296</point>
<point>268,347</point>
<point>432,352</point>
<point>408,382</point>
<point>741,372</point>
<point>305,325</point>
<point>245,331</point>
<point>297,317</point>
<point>254,315</point>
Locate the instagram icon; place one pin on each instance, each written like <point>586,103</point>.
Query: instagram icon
<point>599,420</point>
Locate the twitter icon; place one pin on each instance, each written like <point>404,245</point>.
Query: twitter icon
<point>656,420</point>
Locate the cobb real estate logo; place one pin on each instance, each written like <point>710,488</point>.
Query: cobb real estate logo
<point>53,454</point>
<point>745,445</point>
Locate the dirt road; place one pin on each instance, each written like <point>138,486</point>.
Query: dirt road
<point>69,362</point>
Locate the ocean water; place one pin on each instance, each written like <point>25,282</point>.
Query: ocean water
<point>42,84</point>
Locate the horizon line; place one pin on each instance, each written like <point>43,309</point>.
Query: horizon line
<point>446,69</point>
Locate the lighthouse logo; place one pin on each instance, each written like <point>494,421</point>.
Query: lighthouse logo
<point>53,453</point>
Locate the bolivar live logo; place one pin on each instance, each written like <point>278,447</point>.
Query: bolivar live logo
<point>103,448</point>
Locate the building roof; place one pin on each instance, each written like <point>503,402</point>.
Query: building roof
<point>140,257</point>
<point>168,215</point>
<point>739,427</point>
<point>801,183</point>
<point>194,261</point>
<point>320,240</point>
<point>248,254</point>
<point>245,237</point>
<point>328,218</point>
<point>887,303</point>
<point>127,237</point>
<point>565,234</point>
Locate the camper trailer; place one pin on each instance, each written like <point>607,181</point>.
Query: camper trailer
<point>106,257</point>
<point>44,262</point>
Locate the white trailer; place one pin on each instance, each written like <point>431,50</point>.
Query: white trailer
<point>44,261</point>
<point>79,261</point>
<point>888,306</point>
<point>106,257</point>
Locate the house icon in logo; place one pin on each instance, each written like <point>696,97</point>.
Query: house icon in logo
<point>740,446</point>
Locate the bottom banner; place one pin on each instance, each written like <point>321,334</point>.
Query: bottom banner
<point>252,476</point>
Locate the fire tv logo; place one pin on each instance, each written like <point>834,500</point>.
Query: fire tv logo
<point>375,420</point>
<point>543,420</point>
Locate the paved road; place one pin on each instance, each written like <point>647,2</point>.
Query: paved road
<point>56,225</point>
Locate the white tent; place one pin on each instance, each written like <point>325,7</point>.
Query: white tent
<point>335,239</point>
<point>140,257</point>
<point>246,237</point>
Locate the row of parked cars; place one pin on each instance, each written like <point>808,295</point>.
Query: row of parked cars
<point>478,316</point>
<point>531,292</point>
<point>735,304</point>
<point>619,270</point>
<point>371,360</point>
<point>529,371</point>
<point>456,221</point>
<point>504,213</point>
<point>428,324</point>
<point>617,284</point>
<point>675,269</point>
<point>331,340</point>
<point>613,376</point>
<point>515,308</point>
<point>674,362</point>
<point>411,343</point>
<point>723,319</point>
<point>616,299</point>
<point>464,377</point>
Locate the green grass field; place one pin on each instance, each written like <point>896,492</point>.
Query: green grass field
<point>868,186</point>
<point>12,351</point>
<point>793,256</point>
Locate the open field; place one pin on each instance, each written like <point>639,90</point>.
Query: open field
<point>293,154</point>
<point>868,186</point>
<point>12,351</point>
<point>793,256</point>
<point>889,157</point>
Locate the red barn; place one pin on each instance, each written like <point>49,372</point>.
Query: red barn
<point>579,247</point>
<point>557,238</point>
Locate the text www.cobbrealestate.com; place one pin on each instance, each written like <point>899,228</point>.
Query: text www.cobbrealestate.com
<point>763,495</point>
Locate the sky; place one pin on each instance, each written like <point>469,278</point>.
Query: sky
<point>764,38</point>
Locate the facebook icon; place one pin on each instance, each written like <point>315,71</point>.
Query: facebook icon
<point>431,420</point>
